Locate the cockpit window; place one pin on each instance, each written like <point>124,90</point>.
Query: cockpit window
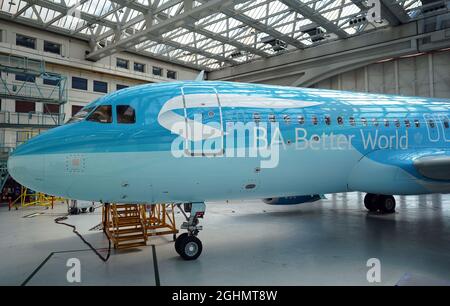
<point>83,113</point>
<point>102,114</point>
<point>125,114</point>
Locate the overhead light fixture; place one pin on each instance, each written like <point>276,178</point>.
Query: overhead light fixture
<point>236,54</point>
<point>357,21</point>
<point>314,31</point>
<point>277,44</point>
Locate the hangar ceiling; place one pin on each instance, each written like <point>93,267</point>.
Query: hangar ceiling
<point>208,34</point>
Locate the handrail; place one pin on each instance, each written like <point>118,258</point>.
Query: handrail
<point>31,118</point>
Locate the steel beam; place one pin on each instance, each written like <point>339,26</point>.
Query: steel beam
<point>314,16</point>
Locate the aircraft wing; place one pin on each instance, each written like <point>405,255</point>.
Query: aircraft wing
<point>435,167</point>
<point>402,172</point>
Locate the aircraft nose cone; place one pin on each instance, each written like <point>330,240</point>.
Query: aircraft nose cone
<point>27,170</point>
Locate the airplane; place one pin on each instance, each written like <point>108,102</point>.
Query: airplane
<point>190,142</point>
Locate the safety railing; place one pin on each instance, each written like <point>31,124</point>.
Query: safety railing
<point>24,63</point>
<point>33,92</point>
<point>32,118</point>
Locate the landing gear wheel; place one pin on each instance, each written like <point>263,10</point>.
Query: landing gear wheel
<point>386,204</point>
<point>190,248</point>
<point>91,209</point>
<point>179,241</point>
<point>370,202</point>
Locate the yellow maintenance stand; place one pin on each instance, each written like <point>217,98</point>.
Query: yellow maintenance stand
<point>28,197</point>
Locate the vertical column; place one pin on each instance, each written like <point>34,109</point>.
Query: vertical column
<point>431,74</point>
<point>366,78</point>
<point>397,82</point>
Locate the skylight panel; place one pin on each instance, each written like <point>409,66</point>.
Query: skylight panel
<point>217,27</point>
<point>286,29</point>
<point>12,9</point>
<point>257,12</point>
<point>331,15</point>
<point>173,10</point>
<point>143,2</point>
<point>247,4</point>
<point>349,10</point>
<point>210,19</point>
<point>29,13</point>
<point>46,14</point>
<point>277,7</point>
<point>186,39</point>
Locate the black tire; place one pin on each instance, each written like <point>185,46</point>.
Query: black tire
<point>179,240</point>
<point>190,248</point>
<point>386,204</point>
<point>370,202</point>
<point>91,209</point>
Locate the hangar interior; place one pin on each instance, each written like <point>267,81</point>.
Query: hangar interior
<point>57,56</point>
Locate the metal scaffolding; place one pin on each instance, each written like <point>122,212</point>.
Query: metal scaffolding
<point>35,85</point>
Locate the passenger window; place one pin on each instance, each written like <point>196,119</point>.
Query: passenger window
<point>102,114</point>
<point>375,122</point>
<point>431,123</point>
<point>397,123</point>
<point>272,118</point>
<point>364,121</point>
<point>287,119</point>
<point>257,117</point>
<point>315,121</point>
<point>386,122</point>
<point>417,123</point>
<point>407,123</point>
<point>352,121</point>
<point>301,120</point>
<point>125,114</point>
<point>327,120</point>
<point>340,120</point>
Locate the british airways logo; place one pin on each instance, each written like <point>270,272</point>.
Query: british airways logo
<point>174,114</point>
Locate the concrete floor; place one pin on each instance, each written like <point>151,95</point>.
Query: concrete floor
<point>245,243</point>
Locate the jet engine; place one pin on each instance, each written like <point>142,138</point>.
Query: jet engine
<point>293,200</point>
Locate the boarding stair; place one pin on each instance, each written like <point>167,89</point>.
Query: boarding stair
<point>125,226</point>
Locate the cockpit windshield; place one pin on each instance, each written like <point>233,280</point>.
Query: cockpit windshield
<point>102,114</point>
<point>82,114</point>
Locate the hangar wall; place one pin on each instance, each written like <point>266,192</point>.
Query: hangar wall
<point>426,75</point>
<point>70,62</point>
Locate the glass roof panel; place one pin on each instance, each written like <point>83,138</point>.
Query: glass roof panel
<point>222,36</point>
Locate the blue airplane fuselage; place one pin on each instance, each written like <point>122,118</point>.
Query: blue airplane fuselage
<point>204,141</point>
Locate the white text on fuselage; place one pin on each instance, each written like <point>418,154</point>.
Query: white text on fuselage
<point>265,141</point>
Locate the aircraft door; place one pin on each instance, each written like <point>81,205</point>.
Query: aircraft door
<point>431,123</point>
<point>204,123</point>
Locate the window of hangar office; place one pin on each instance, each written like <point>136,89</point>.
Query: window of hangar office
<point>76,109</point>
<point>25,106</point>
<point>50,108</point>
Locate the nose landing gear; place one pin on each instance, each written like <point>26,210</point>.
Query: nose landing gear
<point>187,245</point>
<point>378,202</point>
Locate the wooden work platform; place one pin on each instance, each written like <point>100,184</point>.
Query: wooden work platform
<point>131,225</point>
